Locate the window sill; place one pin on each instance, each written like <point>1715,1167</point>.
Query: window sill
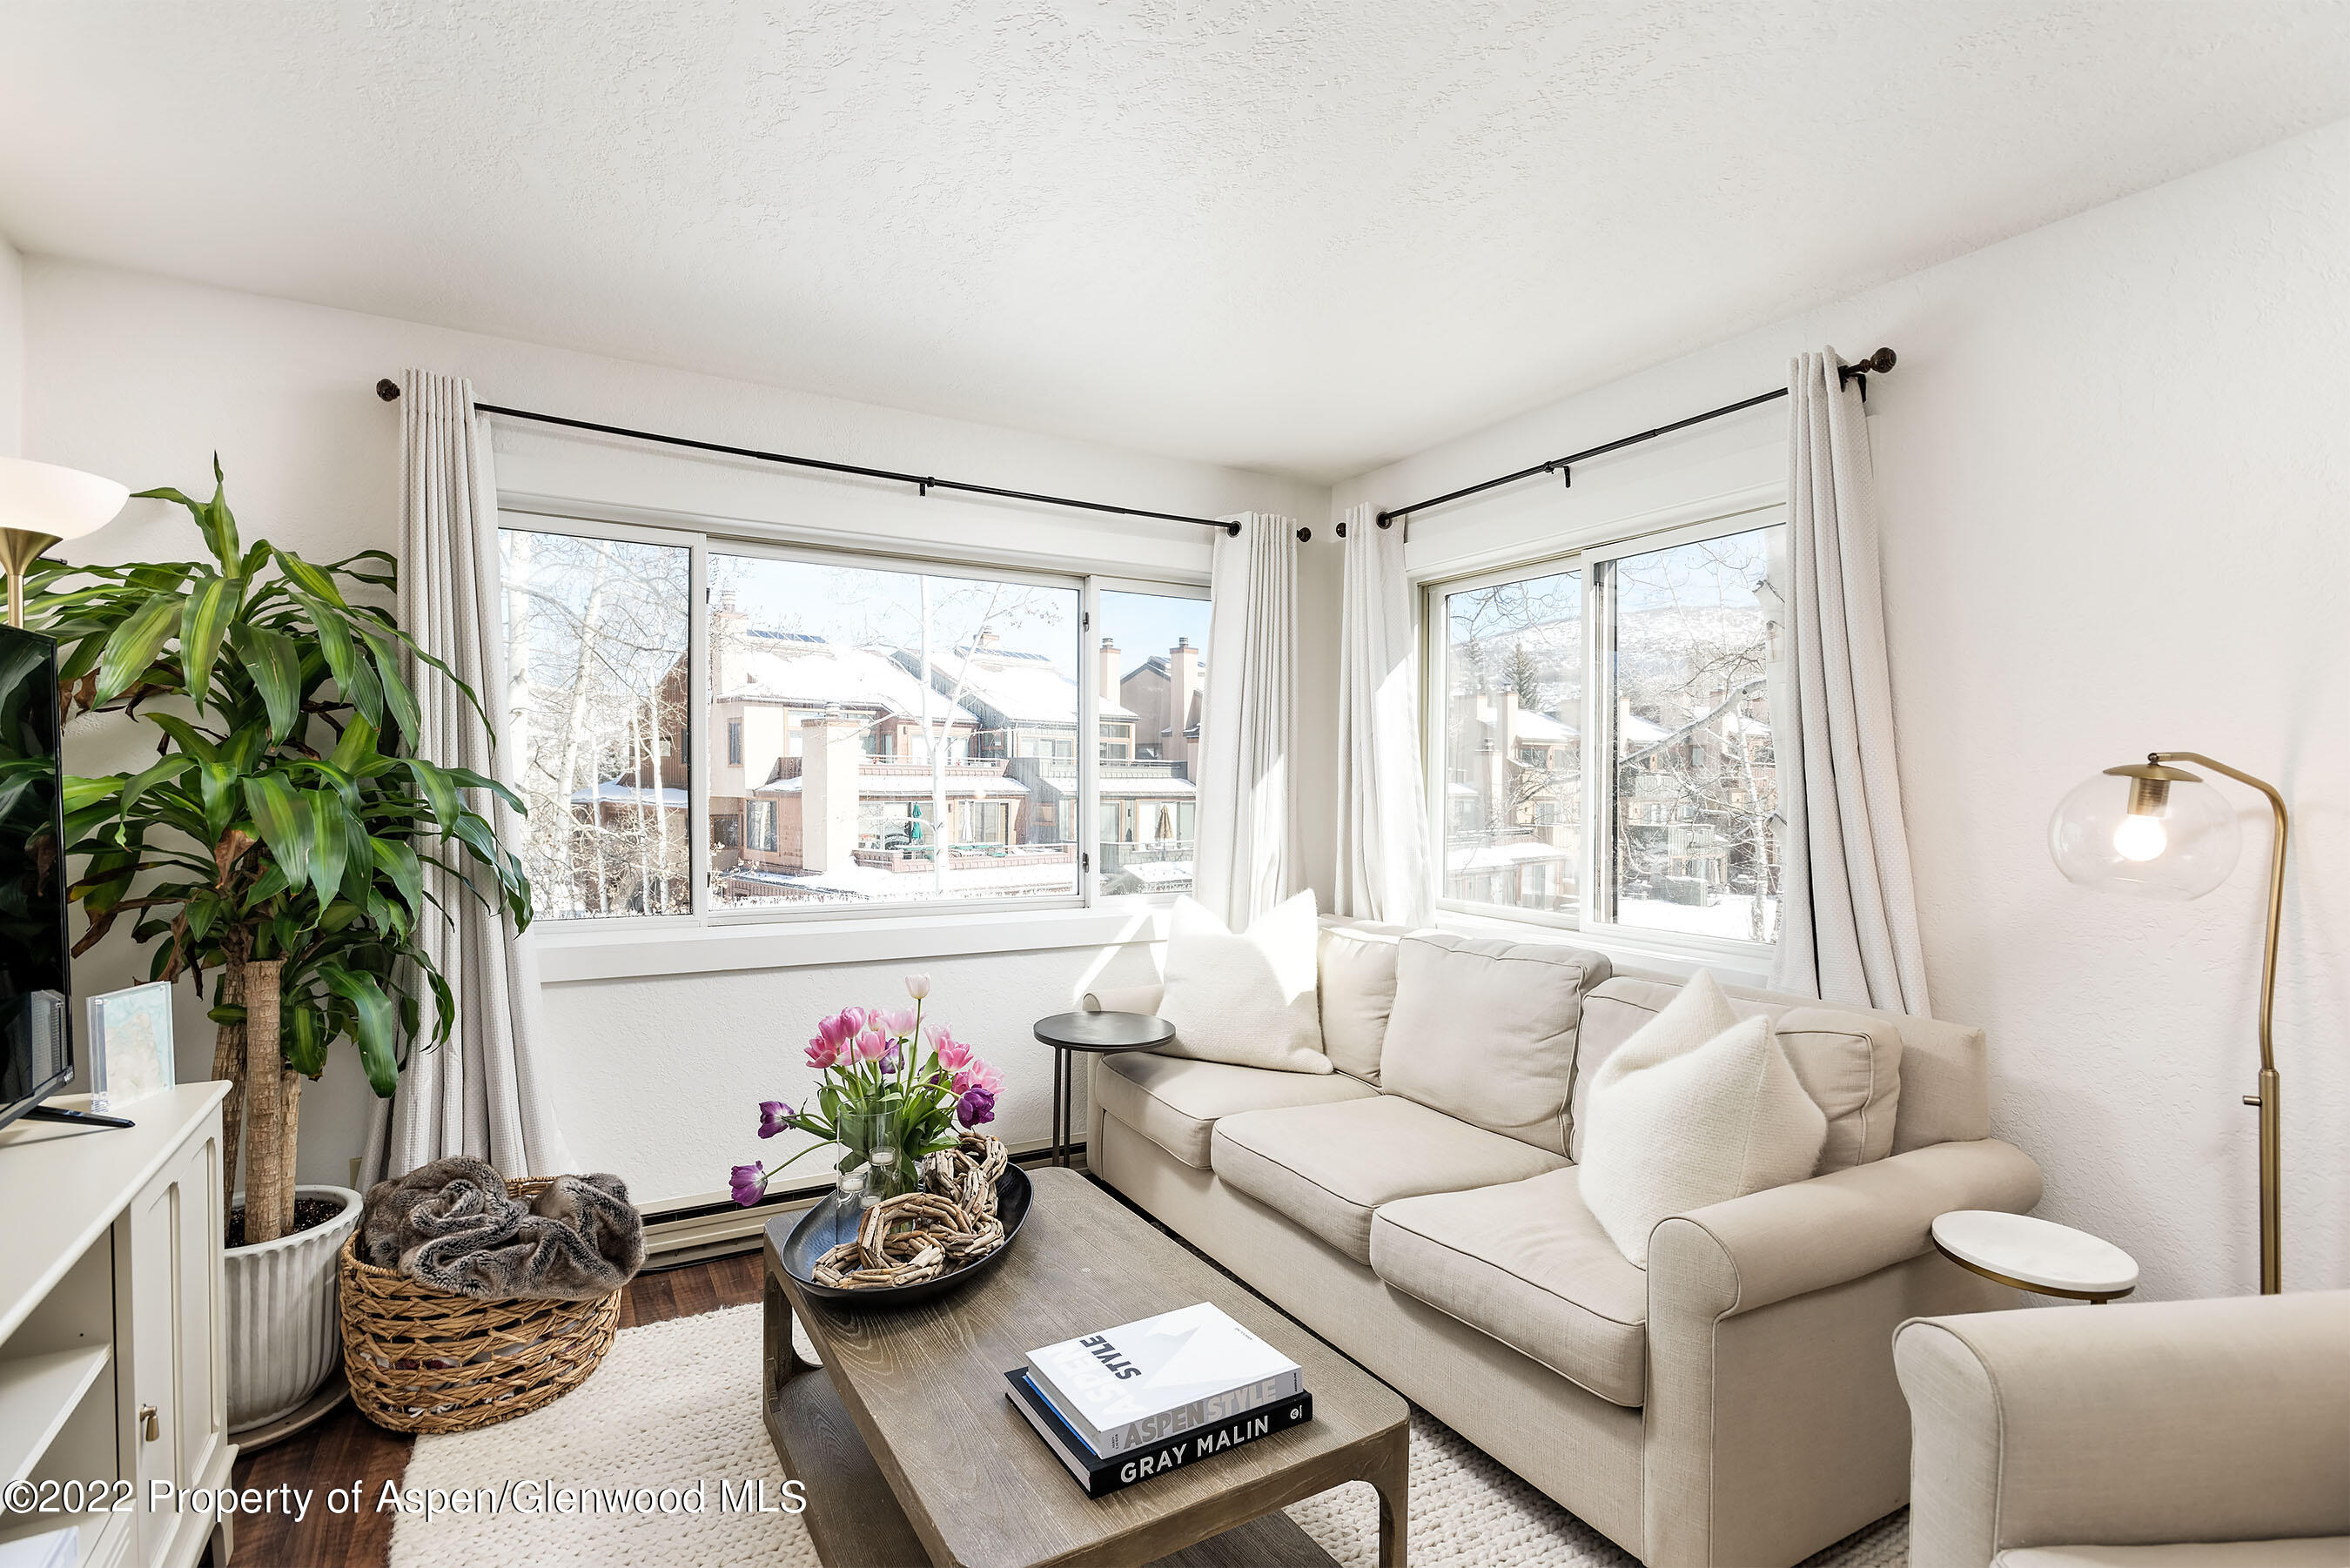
<point>1739,965</point>
<point>568,954</point>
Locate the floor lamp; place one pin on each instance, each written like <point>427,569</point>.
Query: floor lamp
<point>41,505</point>
<point>2158,831</point>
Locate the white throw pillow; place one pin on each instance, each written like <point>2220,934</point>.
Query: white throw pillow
<point>1698,1108</point>
<point>1248,999</point>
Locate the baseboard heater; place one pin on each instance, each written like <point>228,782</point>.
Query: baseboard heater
<point>692,1229</point>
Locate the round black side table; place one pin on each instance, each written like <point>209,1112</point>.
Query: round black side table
<point>1096,1033</point>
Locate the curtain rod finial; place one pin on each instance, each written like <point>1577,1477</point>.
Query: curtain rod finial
<point>1233,529</point>
<point>388,390</point>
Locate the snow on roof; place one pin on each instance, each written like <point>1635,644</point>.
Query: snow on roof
<point>1024,688</point>
<point>1493,856</point>
<point>1158,873</point>
<point>1165,788</point>
<point>1542,727</point>
<point>1635,731</point>
<point>612,792</point>
<point>808,671</point>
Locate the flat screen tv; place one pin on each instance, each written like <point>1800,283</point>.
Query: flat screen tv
<point>36,1041</point>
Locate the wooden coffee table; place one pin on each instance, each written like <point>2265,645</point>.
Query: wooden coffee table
<point>910,1452</point>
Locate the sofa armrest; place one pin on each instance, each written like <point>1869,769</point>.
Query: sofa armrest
<point>2129,1425</point>
<point>1123,999</point>
<point>1767,1246</point>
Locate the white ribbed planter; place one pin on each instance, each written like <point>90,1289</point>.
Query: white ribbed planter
<point>283,1335</point>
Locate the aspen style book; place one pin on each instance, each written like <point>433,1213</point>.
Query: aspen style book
<point>1143,1383</point>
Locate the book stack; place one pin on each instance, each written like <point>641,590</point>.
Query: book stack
<point>1146,1397</point>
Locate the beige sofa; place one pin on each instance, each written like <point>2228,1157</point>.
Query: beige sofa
<point>2210,1434</point>
<point>1735,1403</point>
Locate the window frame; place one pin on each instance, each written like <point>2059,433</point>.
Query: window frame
<point>1686,525</point>
<point>701,537</point>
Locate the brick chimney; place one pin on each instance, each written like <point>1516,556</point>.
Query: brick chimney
<point>1183,686</point>
<point>1109,659</point>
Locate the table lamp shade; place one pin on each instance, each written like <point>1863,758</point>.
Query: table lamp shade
<point>62,502</point>
<point>2158,832</point>
<point>41,504</point>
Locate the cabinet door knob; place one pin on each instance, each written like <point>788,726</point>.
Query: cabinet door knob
<point>150,1426</point>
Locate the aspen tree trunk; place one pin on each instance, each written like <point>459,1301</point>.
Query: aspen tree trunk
<point>228,1064</point>
<point>268,1185</point>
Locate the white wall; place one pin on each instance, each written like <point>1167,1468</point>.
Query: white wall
<point>12,349</point>
<point>2113,469</point>
<point>144,378</point>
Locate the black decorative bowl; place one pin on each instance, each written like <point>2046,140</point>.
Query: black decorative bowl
<point>826,1226</point>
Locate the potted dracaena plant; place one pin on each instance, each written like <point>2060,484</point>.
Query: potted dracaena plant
<point>277,847</point>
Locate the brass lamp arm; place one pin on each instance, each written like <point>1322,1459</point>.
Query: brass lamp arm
<point>2271,1111</point>
<point>2276,887</point>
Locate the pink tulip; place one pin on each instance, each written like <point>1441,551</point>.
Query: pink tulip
<point>896,1025</point>
<point>978,1074</point>
<point>871,1045</point>
<point>918,986</point>
<point>822,1054</point>
<point>842,1027</point>
<point>953,1053</point>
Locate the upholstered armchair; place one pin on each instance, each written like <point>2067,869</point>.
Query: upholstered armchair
<point>2212,1434</point>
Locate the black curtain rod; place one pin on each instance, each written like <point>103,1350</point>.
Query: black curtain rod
<point>388,389</point>
<point>1878,362</point>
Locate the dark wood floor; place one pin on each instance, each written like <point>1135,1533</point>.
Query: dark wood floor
<point>346,1445</point>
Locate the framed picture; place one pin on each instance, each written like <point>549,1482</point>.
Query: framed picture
<point>130,1045</point>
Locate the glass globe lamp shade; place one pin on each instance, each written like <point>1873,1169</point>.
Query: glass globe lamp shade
<point>2158,832</point>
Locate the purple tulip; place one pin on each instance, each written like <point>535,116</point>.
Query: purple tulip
<point>775,1117</point>
<point>890,1059</point>
<point>750,1184</point>
<point>976,1105</point>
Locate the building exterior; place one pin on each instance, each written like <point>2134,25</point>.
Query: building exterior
<point>1166,695</point>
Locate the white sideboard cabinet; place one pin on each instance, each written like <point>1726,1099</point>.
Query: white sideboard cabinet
<point>112,1386</point>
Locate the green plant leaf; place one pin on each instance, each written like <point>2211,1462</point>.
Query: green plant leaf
<point>303,1034</point>
<point>353,679</point>
<point>376,1026</point>
<point>327,843</point>
<point>134,645</point>
<point>398,862</point>
<point>205,621</point>
<point>184,735</point>
<point>356,746</point>
<point>275,665</point>
<point>396,696</point>
<point>310,578</point>
<point>285,826</point>
<point>472,780</point>
<point>440,793</point>
<point>173,766</point>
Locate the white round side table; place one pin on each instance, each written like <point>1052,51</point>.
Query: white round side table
<point>2035,1255</point>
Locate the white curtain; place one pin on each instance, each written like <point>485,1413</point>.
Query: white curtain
<point>1848,928</point>
<point>1381,804</point>
<point>1247,851</point>
<point>484,1091</point>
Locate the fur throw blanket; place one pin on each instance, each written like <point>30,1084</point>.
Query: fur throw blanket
<point>452,1225</point>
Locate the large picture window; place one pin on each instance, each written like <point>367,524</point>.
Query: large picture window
<point>713,727</point>
<point>595,725</point>
<point>1599,735</point>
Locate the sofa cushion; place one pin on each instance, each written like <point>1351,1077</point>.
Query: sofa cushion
<point>1698,1108</point>
<point>1848,1061</point>
<point>1485,1030</point>
<point>1244,997</point>
<point>1358,986</point>
<point>1176,1103</point>
<point>1528,1264</point>
<point>2307,1551</point>
<point>1327,1167</point>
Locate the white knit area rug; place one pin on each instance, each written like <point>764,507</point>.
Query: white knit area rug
<point>674,1403</point>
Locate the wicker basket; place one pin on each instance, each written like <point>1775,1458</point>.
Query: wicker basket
<point>425,1360</point>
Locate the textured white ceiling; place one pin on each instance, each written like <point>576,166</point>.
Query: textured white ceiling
<point>1305,236</point>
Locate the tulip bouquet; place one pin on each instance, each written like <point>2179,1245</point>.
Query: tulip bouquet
<point>892,1090</point>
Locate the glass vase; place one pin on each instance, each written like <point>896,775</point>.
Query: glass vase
<point>870,1138</point>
